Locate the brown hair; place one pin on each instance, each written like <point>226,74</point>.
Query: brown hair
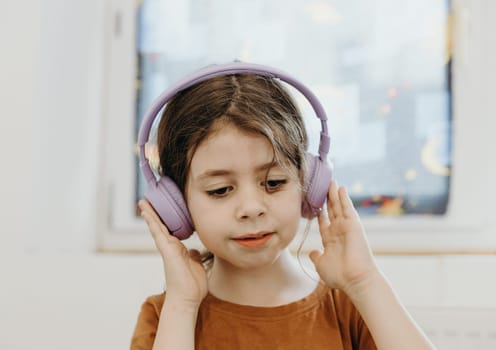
<point>251,102</point>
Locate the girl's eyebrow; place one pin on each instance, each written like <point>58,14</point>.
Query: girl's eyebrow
<point>213,173</point>
<point>223,172</point>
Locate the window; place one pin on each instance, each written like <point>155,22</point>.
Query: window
<point>384,81</point>
<point>382,70</point>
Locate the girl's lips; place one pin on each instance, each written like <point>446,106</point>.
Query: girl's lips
<point>253,241</point>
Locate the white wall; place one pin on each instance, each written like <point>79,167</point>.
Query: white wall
<point>56,292</point>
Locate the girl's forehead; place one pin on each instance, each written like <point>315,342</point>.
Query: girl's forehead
<point>222,123</point>
<point>223,131</point>
<point>232,144</point>
<point>231,152</point>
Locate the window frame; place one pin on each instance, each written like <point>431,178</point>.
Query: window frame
<point>465,228</point>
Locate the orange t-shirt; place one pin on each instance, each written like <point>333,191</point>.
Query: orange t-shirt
<point>325,319</point>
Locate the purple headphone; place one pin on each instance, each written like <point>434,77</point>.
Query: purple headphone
<point>165,196</point>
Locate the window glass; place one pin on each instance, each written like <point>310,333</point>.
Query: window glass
<point>381,69</point>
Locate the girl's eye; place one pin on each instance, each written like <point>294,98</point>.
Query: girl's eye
<point>274,185</point>
<point>220,192</point>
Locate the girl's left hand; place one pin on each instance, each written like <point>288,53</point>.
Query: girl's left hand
<point>347,260</point>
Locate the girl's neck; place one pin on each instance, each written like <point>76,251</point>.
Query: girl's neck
<point>279,283</point>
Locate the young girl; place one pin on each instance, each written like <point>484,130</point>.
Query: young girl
<point>235,146</point>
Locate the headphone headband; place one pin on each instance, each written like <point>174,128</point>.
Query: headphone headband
<point>227,69</point>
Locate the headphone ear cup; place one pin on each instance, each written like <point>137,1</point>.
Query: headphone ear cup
<point>318,181</point>
<point>168,201</point>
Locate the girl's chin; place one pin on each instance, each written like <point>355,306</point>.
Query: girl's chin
<point>253,260</point>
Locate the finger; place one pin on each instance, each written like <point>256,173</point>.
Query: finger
<point>333,202</point>
<point>347,206</point>
<point>151,214</point>
<point>170,247</point>
<point>145,206</point>
<point>159,231</point>
<point>154,224</point>
<point>159,236</point>
<point>324,223</point>
<point>314,256</point>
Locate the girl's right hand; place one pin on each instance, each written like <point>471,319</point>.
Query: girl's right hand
<point>185,276</point>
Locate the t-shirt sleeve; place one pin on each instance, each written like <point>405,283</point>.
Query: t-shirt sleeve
<point>147,323</point>
<point>364,340</point>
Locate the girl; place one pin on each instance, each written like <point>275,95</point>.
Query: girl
<point>235,146</point>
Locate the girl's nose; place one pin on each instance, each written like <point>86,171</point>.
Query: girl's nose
<point>251,204</point>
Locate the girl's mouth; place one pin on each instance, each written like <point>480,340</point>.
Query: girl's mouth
<point>253,241</point>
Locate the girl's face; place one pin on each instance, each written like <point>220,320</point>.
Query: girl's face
<point>244,209</point>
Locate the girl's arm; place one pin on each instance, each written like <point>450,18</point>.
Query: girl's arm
<point>186,283</point>
<point>388,321</point>
<point>176,327</point>
<point>347,264</point>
